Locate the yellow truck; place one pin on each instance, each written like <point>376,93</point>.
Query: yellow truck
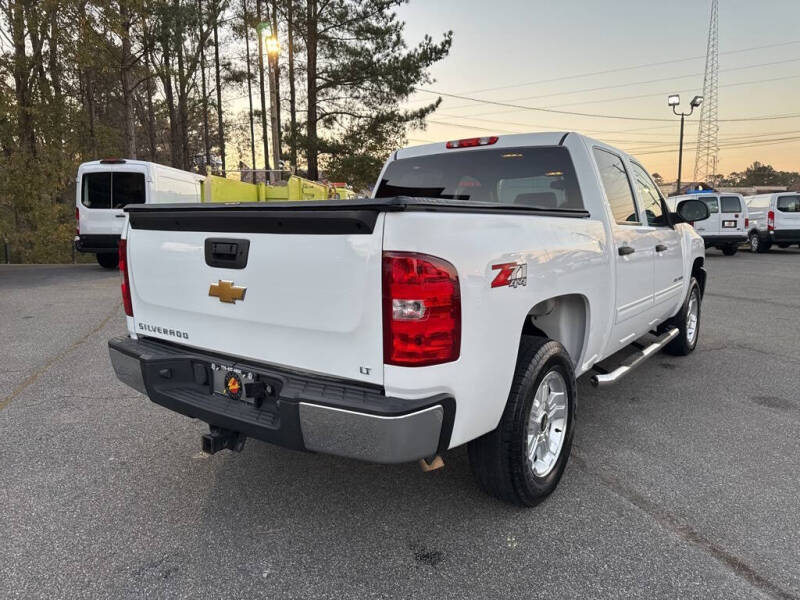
<point>221,189</point>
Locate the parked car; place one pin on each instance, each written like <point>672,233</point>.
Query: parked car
<point>726,227</point>
<point>456,306</point>
<point>774,219</point>
<point>105,187</point>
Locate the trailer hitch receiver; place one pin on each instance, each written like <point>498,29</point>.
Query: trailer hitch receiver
<point>222,439</point>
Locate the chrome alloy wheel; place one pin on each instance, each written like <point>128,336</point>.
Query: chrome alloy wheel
<point>692,317</point>
<point>547,424</point>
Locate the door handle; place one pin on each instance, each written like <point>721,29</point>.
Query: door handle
<point>120,216</point>
<point>661,248</point>
<point>625,250</point>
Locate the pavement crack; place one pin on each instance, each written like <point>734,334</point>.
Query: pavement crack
<point>684,531</point>
<point>756,300</point>
<point>46,366</point>
<point>745,347</point>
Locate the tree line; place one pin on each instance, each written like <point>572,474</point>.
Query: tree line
<point>188,83</point>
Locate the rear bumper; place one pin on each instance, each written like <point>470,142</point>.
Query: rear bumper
<point>785,235</point>
<point>96,243</point>
<point>304,412</point>
<point>724,240</point>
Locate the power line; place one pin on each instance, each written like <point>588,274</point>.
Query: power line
<point>729,146</point>
<point>593,115</point>
<point>629,84</point>
<point>638,96</point>
<point>629,68</point>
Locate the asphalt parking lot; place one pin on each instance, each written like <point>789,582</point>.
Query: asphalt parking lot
<point>684,480</point>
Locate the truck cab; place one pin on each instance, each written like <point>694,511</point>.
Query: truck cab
<point>727,225</point>
<point>105,187</point>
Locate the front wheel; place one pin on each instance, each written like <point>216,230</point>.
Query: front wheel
<point>729,250</point>
<point>688,323</point>
<point>522,460</point>
<point>108,260</point>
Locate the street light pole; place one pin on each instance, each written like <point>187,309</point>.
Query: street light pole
<point>673,101</point>
<point>273,49</point>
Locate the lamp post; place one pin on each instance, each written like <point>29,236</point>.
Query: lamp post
<point>273,49</point>
<point>674,100</point>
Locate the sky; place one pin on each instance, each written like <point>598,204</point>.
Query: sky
<point>521,46</point>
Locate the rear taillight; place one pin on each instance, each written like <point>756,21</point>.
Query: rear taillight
<point>77,221</point>
<point>421,310</point>
<point>746,223</point>
<point>770,221</point>
<point>126,282</point>
<point>472,142</point>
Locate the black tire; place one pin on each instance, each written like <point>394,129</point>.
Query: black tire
<point>730,249</point>
<point>683,344</point>
<point>757,244</point>
<point>108,260</point>
<point>783,245</point>
<point>499,459</point>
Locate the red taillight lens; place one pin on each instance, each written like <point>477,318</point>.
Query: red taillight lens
<point>126,283</point>
<point>746,223</point>
<point>421,310</point>
<point>472,142</point>
<point>77,221</point>
<point>771,221</point>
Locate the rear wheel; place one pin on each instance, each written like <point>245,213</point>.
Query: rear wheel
<point>756,245</point>
<point>108,260</point>
<point>730,249</point>
<point>688,323</point>
<point>522,460</point>
<point>783,245</point>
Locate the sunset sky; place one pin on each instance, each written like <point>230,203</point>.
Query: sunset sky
<point>538,53</point>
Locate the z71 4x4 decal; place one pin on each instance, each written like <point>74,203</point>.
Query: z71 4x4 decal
<point>511,275</point>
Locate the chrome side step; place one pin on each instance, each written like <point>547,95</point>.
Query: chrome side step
<point>603,379</point>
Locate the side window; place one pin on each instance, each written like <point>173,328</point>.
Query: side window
<point>617,187</point>
<point>649,196</point>
<point>712,203</point>
<point>788,204</point>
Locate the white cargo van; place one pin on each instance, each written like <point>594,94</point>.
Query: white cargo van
<point>774,219</point>
<point>727,224</point>
<point>105,187</point>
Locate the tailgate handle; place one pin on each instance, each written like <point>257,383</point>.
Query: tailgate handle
<point>227,253</point>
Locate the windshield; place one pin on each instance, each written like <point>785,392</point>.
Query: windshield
<point>542,177</point>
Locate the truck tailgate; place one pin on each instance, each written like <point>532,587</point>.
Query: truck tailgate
<point>311,296</point>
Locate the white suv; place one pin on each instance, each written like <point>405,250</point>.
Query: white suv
<point>728,224</point>
<point>774,219</point>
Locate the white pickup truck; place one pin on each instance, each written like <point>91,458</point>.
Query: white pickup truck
<point>458,305</point>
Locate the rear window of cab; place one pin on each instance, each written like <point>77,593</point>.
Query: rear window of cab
<point>539,177</point>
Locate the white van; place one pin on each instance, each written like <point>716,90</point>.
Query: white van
<point>727,224</point>
<point>774,219</point>
<point>104,187</point>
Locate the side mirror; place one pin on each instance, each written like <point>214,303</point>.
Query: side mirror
<point>690,211</point>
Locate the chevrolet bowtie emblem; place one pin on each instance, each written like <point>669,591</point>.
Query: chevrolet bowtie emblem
<point>226,291</point>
